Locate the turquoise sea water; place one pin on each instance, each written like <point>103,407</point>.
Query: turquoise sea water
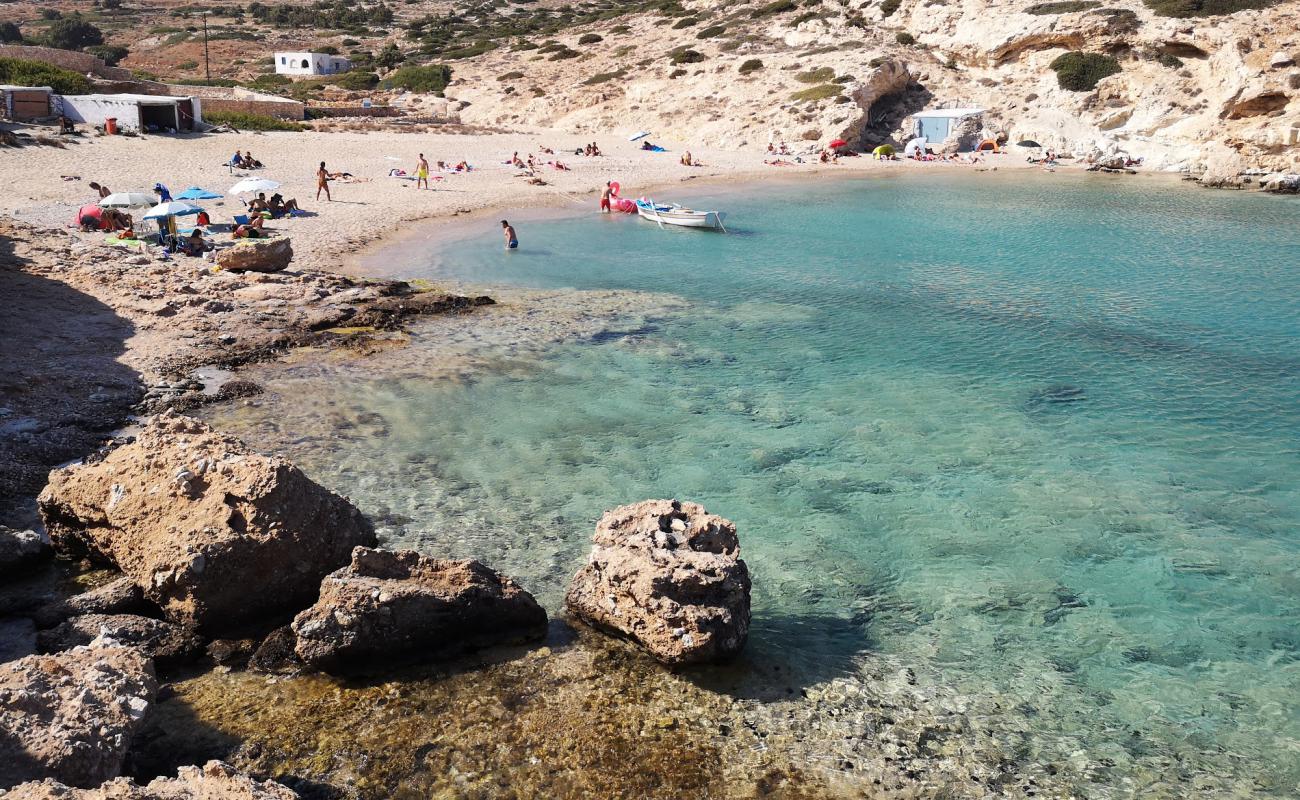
<point>1038,436</point>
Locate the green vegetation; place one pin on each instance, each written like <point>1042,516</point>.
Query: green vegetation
<point>685,23</point>
<point>603,77</point>
<point>1170,60</point>
<point>242,121</point>
<point>752,65</point>
<point>823,92</point>
<point>21,72</point>
<point>564,53</point>
<point>590,38</point>
<point>683,55</point>
<point>905,38</point>
<point>511,76</point>
<point>72,33</point>
<point>710,32</point>
<point>51,13</point>
<point>389,57</point>
<point>471,50</point>
<point>1062,7</point>
<point>618,30</point>
<point>677,73</point>
<point>432,78</point>
<point>888,7</point>
<point>1077,71</point>
<point>1184,9</point>
<point>10,33</point>
<point>819,75</point>
<point>775,7</point>
<point>188,65</point>
<point>322,14</point>
<point>357,81</point>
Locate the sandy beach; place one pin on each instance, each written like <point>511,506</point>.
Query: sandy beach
<point>372,205</point>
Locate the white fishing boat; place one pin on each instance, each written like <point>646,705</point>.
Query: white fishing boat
<point>675,214</point>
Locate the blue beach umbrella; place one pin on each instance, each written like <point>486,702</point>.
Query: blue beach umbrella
<point>195,193</point>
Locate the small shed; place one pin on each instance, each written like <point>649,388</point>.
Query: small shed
<point>310,64</point>
<point>25,103</point>
<point>935,124</point>
<point>140,112</point>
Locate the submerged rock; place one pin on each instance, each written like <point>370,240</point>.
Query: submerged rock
<point>398,605</point>
<point>214,533</point>
<point>20,550</point>
<point>257,255</point>
<point>669,575</point>
<point>167,644</point>
<point>215,781</point>
<point>119,596</point>
<point>71,716</point>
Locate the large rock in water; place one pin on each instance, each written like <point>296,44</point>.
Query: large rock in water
<point>215,534</point>
<point>215,781</point>
<point>71,716</point>
<point>20,550</point>
<point>257,255</point>
<point>669,575</point>
<point>388,606</point>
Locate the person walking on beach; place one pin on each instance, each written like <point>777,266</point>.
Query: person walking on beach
<point>422,172</point>
<point>604,196</point>
<point>512,240</point>
<point>323,182</point>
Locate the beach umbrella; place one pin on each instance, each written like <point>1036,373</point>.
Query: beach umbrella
<point>173,208</point>
<point>917,145</point>
<point>839,143</point>
<point>639,135</point>
<point>195,193</point>
<point>128,200</point>
<point>88,210</point>
<point>253,186</point>
<point>1028,143</point>
<point>884,150</point>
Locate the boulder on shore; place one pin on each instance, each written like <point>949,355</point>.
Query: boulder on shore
<point>118,596</point>
<point>214,533</point>
<point>167,644</point>
<point>667,574</point>
<point>20,550</point>
<point>216,780</point>
<point>257,255</point>
<point>71,716</point>
<point>388,606</point>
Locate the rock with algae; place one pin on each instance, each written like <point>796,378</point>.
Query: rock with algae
<point>669,575</point>
<point>214,533</point>
<point>388,606</point>
<point>214,781</point>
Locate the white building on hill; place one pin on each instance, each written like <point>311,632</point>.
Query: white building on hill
<point>310,64</point>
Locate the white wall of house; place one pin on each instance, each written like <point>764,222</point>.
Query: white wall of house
<point>130,110</point>
<point>310,64</point>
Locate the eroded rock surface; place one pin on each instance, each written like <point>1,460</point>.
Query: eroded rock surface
<point>669,575</point>
<point>167,644</point>
<point>119,596</point>
<point>20,551</point>
<point>214,533</point>
<point>214,781</point>
<point>397,605</point>
<point>71,716</point>
<point>257,255</point>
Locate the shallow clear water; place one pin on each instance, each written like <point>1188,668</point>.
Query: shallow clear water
<point>1036,435</point>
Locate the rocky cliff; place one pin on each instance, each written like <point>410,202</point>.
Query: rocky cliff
<point>1190,93</point>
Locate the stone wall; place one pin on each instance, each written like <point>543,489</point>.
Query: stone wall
<point>67,59</point>
<point>282,109</point>
<point>353,111</point>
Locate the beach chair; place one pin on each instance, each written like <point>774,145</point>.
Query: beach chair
<point>241,219</point>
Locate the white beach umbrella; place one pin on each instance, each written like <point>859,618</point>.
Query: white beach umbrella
<point>253,186</point>
<point>638,135</point>
<point>914,146</point>
<point>128,200</point>
<point>172,208</point>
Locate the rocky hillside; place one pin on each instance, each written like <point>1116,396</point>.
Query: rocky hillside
<point>1194,92</point>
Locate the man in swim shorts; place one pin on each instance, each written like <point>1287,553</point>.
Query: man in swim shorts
<point>422,172</point>
<point>512,240</point>
<point>604,196</point>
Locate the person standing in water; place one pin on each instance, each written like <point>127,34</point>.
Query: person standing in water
<point>604,196</point>
<point>512,240</point>
<point>422,172</point>
<point>323,182</point>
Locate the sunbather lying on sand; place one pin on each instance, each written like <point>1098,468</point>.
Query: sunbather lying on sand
<point>253,230</point>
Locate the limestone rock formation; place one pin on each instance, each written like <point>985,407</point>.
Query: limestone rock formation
<point>118,596</point>
<point>390,605</point>
<point>214,781</point>
<point>20,550</point>
<point>71,716</point>
<point>669,575</point>
<point>257,255</point>
<point>167,644</point>
<point>214,533</point>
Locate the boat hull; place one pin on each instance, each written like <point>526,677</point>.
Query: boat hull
<point>681,217</point>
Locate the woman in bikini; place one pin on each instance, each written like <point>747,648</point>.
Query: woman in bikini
<point>323,182</point>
